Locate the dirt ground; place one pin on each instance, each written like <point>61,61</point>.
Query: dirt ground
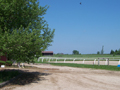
<point>68,78</point>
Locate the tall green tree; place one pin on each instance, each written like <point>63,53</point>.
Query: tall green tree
<point>111,52</point>
<point>75,52</point>
<point>116,51</point>
<point>119,52</point>
<point>23,30</point>
<point>98,52</point>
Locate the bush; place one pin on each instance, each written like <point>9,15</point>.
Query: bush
<point>2,62</point>
<point>8,63</point>
<point>114,54</point>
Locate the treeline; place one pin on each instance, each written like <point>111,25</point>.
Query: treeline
<point>75,52</point>
<point>116,52</point>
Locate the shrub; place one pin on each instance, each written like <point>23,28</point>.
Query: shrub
<point>8,63</point>
<point>114,54</point>
<point>2,62</point>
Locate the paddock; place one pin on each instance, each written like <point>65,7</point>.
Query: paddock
<point>93,61</point>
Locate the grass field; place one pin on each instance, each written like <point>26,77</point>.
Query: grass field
<point>88,56</point>
<point>105,67</point>
<point>93,56</point>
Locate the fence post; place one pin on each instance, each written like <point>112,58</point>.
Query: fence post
<point>49,60</point>
<point>94,61</point>
<point>64,60</point>
<point>108,61</point>
<point>56,60</point>
<point>119,62</point>
<point>73,60</point>
<point>98,62</point>
<point>42,59</point>
<point>83,61</point>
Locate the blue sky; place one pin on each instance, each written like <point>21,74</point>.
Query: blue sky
<point>86,27</point>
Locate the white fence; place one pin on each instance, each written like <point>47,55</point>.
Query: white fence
<point>73,59</point>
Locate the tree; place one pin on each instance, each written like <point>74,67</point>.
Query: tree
<point>14,13</point>
<point>119,52</point>
<point>98,52</point>
<point>75,52</point>
<point>23,30</point>
<point>116,51</point>
<point>111,52</point>
<point>102,51</point>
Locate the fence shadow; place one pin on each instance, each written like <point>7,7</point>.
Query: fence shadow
<point>24,78</point>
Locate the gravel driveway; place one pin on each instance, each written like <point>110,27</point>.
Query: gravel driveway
<point>68,78</point>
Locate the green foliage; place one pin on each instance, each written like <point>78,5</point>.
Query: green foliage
<point>111,52</point>
<point>8,63</point>
<point>2,62</point>
<point>23,30</point>
<point>98,52</point>
<point>116,52</point>
<point>75,52</point>
<point>15,13</point>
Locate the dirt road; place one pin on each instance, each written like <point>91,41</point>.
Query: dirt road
<point>68,78</point>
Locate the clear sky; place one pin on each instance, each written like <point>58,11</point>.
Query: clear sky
<point>86,27</point>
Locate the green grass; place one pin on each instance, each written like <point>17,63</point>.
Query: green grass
<point>105,67</point>
<point>87,56</point>
<point>40,61</point>
<point>7,75</point>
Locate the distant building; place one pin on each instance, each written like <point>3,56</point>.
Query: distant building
<point>45,53</point>
<point>3,58</point>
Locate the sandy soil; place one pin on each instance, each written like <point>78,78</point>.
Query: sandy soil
<point>68,78</point>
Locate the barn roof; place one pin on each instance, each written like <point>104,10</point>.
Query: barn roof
<point>47,51</point>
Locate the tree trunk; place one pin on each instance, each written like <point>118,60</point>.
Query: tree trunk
<point>18,64</point>
<point>22,65</point>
